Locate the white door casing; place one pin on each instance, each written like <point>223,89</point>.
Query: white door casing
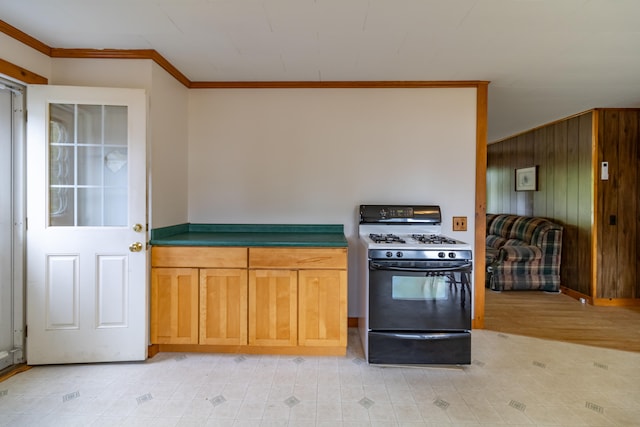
<point>6,229</point>
<point>86,191</point>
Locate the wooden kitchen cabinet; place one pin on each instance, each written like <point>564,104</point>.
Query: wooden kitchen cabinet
<point>321,276</point>
<point>289,300</point>
<point>223,306</point>
<point>322,308</point>
<point>273,304</point>
<point>194,300</point>
<point>174,305</point>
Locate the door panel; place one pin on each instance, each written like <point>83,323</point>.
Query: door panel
<point>86,189</point>
<point>174,314</point>
<point>273,307</point>
<point>62,292</point>
<point>322,312</point>
<point>406,301</point>
<point>113,291</point>
<point>223,306</point>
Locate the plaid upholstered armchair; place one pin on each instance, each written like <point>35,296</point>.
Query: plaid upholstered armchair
<point>523,253</point>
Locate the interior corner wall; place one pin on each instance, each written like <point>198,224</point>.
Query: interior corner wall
<point>304,156</point>
<point>168,151</point>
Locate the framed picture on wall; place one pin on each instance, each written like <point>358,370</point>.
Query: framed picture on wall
<point>527,179</point>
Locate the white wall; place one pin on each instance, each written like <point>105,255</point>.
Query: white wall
<point>125,73</point>
<point>168,155</point>
<point>311,156</point>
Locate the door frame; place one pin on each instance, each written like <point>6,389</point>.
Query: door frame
<point>18,215</point>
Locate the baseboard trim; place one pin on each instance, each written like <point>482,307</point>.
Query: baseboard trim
<point>13,370</point>
<point>576,295</point>
<point>604,302</point>
<point>152,350</point>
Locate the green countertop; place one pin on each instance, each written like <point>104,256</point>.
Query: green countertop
<point>250,235</point>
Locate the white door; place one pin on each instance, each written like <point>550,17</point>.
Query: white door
<point>86,232</point>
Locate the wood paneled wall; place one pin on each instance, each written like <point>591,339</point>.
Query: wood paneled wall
<point>601,218</point>
<point>562,151</point>
<point>618,206</point>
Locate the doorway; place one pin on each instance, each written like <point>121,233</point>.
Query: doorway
<point>12,131</point>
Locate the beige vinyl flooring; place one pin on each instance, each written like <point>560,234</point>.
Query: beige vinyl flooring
<point>512,381</point>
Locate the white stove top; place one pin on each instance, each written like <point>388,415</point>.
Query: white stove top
<point>405,233</point>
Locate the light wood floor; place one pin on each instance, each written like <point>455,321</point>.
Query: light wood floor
<point>560,317</point>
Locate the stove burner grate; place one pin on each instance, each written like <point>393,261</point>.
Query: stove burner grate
<point>433,239</point>
<point>386,238</point>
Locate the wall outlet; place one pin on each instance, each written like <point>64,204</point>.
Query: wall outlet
<point>459,223</point>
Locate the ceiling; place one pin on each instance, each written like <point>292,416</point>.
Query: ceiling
<point>545,59</point>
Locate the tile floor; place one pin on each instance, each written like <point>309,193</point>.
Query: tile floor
<point>513,381</point>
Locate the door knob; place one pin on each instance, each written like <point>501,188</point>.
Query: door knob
<point>135,247</point>
<point>137,228</point>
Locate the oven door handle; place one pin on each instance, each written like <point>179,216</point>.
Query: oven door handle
<point>376,266</point>
<point>420,335</point>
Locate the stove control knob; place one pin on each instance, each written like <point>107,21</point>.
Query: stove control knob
<point>441,255</point>
<point>452,254</point>
<point>389,254</point>
<point>399,254</point>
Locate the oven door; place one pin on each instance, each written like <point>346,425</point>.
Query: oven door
<point>419,296</point>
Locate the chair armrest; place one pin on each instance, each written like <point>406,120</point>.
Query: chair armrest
<point>519,253</point>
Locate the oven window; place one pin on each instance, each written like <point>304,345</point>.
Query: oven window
<point>418,288</point>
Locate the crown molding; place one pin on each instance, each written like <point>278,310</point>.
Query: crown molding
<point>25,38</point>
<point>21,74</point>
<point>153,55</point>
<point>336,84</point>
<point>122,54</point>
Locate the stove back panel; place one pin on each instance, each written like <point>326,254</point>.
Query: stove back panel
<point>424,214</point>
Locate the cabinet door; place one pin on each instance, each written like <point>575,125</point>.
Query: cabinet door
<point>322,314</point>
<point>273,304</point>
<point>174,305</point>
<point>223,306</point>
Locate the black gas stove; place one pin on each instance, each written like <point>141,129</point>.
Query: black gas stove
<point>415,287</point>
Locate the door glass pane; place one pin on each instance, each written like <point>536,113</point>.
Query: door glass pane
<point>115,164</point>
<point>89,122</point>
<point>114,119</point>
<point>61,201</point>
<point>89,203</point>
<point>88,173</point>
<point>113,198</point>
<point>419,288</point>
<point>89,165</point>
<point>61,160</point>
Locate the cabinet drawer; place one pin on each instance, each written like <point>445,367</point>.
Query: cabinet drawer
<point>298,258</point>
<point>202,257</point>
